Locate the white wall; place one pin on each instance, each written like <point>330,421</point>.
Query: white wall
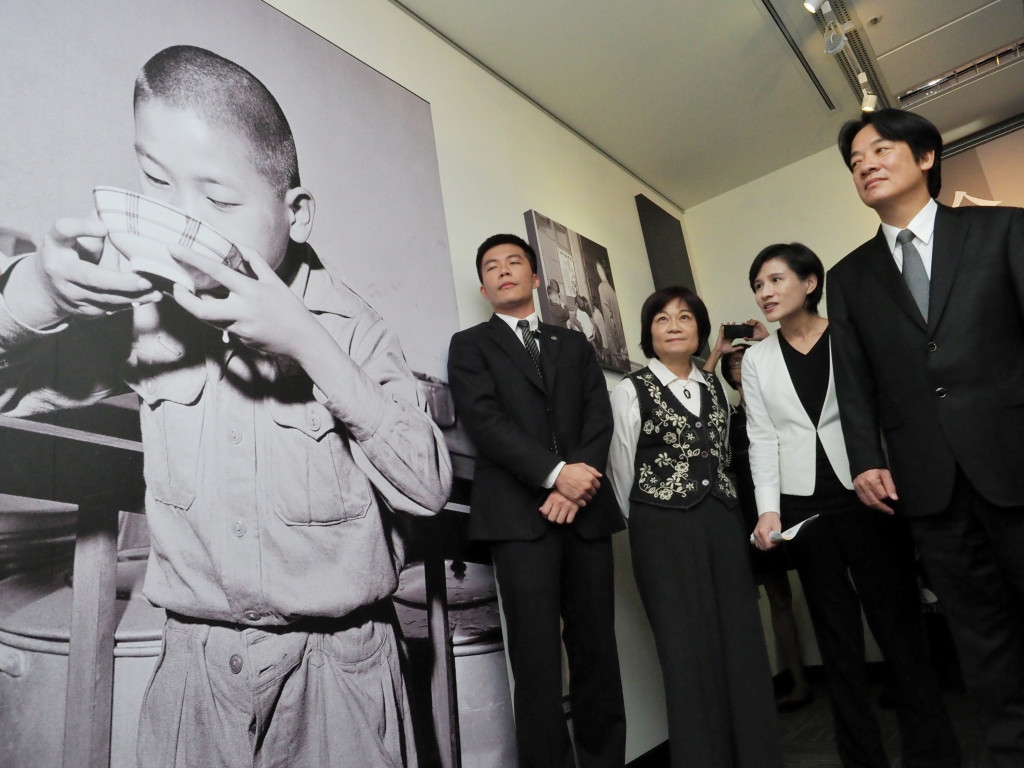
<point>812,201</point>
<point>500,156</point>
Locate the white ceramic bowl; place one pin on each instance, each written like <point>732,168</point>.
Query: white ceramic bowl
<point>141,228</point>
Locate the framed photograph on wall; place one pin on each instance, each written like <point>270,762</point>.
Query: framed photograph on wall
<point>577,289</point>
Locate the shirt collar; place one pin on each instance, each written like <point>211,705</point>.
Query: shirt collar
<point>318,290</point>
<point>922,225</point>
<point>513,321</point>
<point>666,377</point>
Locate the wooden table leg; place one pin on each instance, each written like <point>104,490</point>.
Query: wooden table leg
<point>90,694</point>
<point>442,676</point>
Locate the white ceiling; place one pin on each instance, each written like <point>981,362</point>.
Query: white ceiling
<point>698,97</point>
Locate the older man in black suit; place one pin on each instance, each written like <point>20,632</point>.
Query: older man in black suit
<point>928,348</point>
<point>533,400</point>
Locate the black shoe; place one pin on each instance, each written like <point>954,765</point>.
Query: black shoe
<point>792,705</point>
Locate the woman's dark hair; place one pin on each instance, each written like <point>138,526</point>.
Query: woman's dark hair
<point>661,298</point>
<point>801,260</point>
<point>896,125</point>
<point>725,364</point>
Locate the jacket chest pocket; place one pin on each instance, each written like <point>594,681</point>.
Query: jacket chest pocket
<point>172,416</point>
<point>318,482</point>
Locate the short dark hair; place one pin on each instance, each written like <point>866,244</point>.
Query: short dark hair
<point>725,364</point>
<point>801,260</point>
<point>226,95</point>
<point>661,298</point>
<point>897,125</point>
<point>494,240</point>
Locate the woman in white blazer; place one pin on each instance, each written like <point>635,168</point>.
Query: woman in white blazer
<point>852,557</point>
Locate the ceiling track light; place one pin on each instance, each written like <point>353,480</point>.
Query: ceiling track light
<point>835,38</point>
<point>869,101</point>
<point>812,6</point>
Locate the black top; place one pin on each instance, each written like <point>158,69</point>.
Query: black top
<point>809,374</point>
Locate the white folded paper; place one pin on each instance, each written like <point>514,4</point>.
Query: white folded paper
<point>790,533</point>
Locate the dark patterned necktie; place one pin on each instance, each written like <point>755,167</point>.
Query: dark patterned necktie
<point>530,342</point>
<point>914,274</point>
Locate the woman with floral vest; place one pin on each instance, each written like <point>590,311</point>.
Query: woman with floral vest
<point>667,465</point>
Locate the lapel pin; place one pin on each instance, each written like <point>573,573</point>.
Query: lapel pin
<point>553,338</point>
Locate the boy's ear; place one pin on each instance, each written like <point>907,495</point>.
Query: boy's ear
<point>301,207</point>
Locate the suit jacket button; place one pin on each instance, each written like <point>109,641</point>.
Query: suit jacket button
<point>940,392</point>
<point>932,346</point>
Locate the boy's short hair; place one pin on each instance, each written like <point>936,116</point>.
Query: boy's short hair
<point>660,299</point>
<point>494,240</point>
<point>224,94</point>
<point>897,125</point>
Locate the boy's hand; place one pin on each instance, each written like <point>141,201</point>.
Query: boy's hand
<point>68,271</point>
<point>262,312</point>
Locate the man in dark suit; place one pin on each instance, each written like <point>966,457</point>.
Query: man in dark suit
<point>533,400</point>
<point>928,349</point>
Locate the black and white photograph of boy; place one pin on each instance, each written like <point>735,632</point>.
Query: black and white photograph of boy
<point>283,429</point>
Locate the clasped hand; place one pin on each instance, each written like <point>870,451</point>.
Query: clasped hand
<point>578,482</point>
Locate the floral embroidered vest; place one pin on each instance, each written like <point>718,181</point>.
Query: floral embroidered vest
<point>680,458</point>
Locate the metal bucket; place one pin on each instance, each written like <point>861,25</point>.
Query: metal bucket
<point>33,532</point>
<point>35,611</point>
<point>486,724</point>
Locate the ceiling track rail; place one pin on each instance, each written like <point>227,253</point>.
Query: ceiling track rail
<point>800,55</point>
<point>854,55</point>
<point>980,137</point>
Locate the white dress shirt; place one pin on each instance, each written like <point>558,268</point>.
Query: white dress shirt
<point>513,322</point>
<point>923,227</point>
<point>626,415</point>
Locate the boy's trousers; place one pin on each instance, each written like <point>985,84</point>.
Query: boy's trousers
<point>224,695</point>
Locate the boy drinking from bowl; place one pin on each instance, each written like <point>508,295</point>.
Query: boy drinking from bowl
<point>269,450</point>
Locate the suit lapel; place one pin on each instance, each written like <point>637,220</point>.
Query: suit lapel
<point>508,341</point>
<point>947,250</point>
<point>884,267</point>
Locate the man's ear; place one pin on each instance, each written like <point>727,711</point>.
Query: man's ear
<point>536,280</point>
<point>301,208</point>
<point>927,160</point>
